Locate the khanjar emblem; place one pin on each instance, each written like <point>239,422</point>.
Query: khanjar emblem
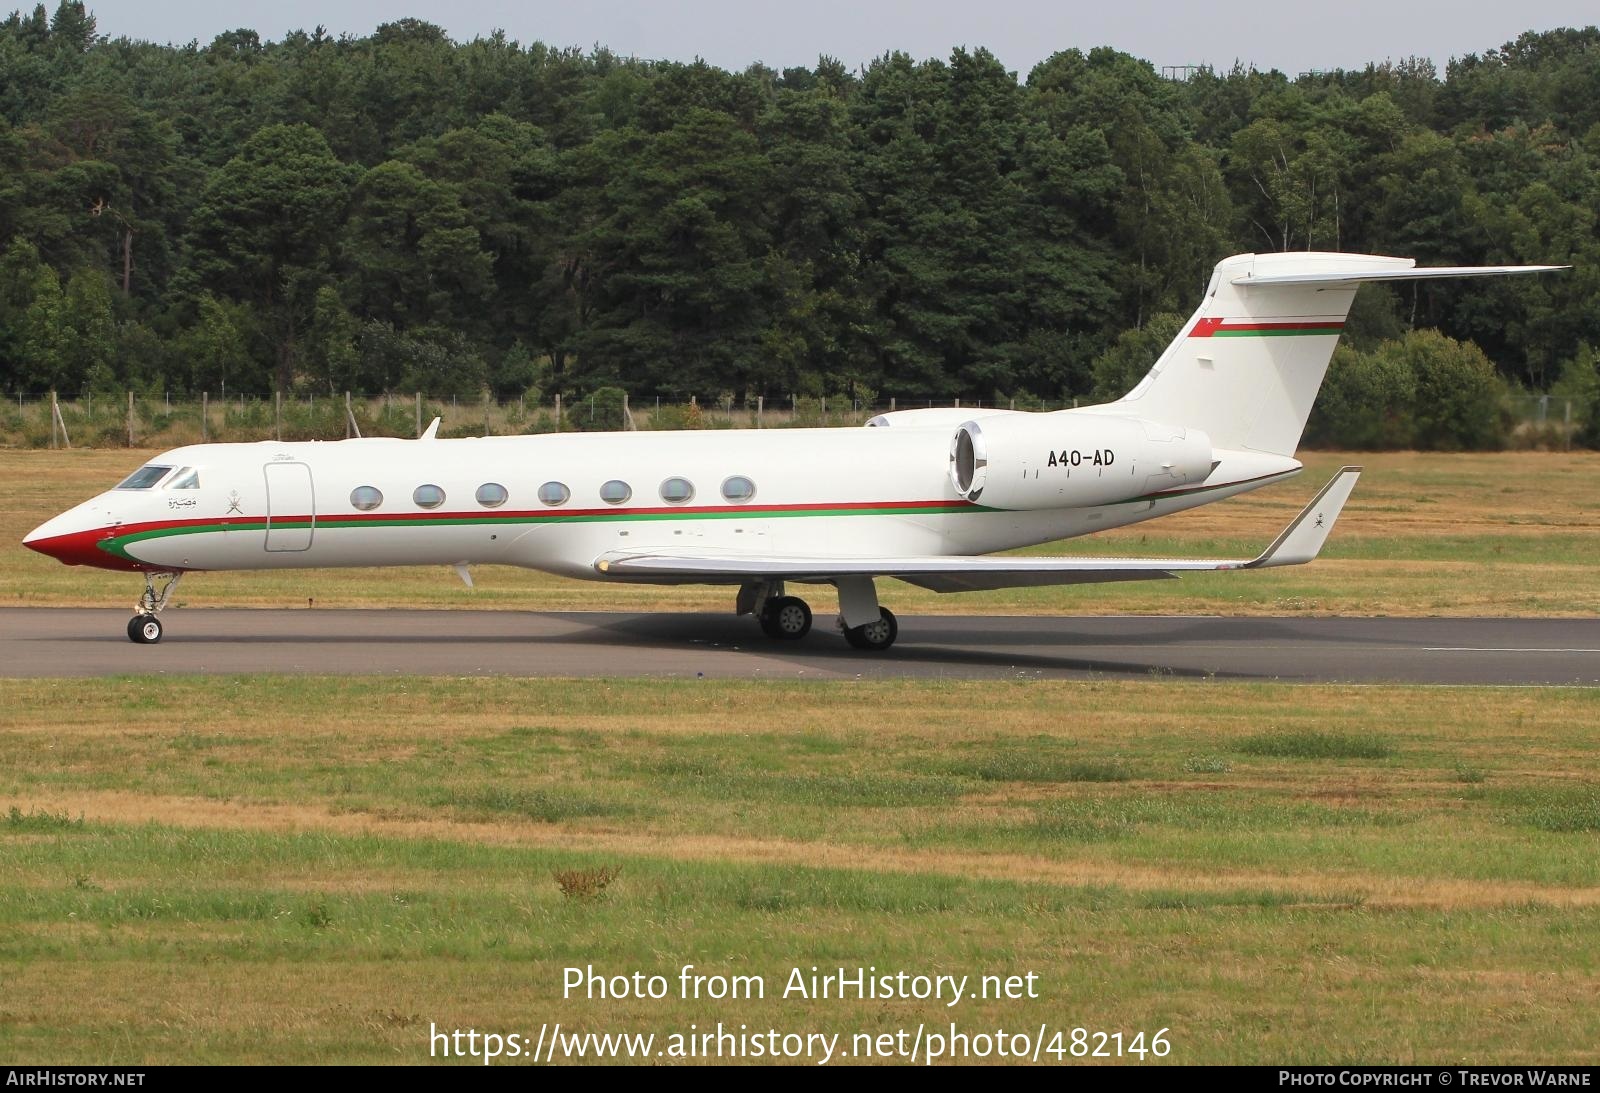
<point>233,502</point>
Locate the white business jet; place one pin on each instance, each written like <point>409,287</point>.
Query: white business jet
<point>924,496</point>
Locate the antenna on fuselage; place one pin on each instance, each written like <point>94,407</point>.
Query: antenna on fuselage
<point>431,432</point>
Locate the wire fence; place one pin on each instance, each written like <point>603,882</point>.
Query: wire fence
<point>141,421</point>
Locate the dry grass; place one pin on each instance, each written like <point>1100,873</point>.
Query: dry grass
<point>1426,534</point>
<point>272,870</point>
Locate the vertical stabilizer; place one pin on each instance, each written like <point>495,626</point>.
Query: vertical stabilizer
<point>1247,365</point>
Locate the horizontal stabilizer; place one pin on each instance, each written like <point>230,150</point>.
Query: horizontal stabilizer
<point>1299,543</point>
<point>1331,278</point>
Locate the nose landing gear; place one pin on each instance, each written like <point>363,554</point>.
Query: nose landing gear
<point>145,628</point>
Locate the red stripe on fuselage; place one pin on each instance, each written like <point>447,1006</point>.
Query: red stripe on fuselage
<point>1205,328</point>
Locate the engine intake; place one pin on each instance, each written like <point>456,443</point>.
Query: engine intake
<point>1072,459</point>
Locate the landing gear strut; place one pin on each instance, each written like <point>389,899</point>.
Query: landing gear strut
<point>145,628</point>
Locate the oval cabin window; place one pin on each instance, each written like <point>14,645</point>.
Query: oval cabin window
<point>675,491</point>
<point>738,489</point>
<point>491,495</point>
<point>554,493</point>
<point>428,496</point>
<point>366,498</point>
<point>615,492</point>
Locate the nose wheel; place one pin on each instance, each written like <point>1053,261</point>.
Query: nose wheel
<point>145,628</point>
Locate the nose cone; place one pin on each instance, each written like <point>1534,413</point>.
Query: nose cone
<point>74,539</point>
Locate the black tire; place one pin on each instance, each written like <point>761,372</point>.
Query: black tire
<point>874,637</point>
<point>786,618</point>
<point>144,629</point>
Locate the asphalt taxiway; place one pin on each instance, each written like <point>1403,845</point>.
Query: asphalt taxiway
<point>66,642</point>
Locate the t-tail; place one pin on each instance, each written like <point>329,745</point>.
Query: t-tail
<point>1247,365</point>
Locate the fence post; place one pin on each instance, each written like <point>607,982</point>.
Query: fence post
<point>55,407</point>
<point>130,419</point>
<point>53,415</point>
<point>205,416</point>
<point>349,418</point>
<point>419,413</point>
<point>486,412</point>
<point>277,416</point>
<point>891,404</point>
<point>558,411</point>
<point>761,405</point>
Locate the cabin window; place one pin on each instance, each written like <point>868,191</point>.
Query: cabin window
<point>554,493</point>
<point>366,498</point>
<point>491,495</point>
<point>615,492</point>
<point>738,488</point>
<point>144,478</point>
<point>675,491</point>
<point>428,496</point>
<point>186,479</point>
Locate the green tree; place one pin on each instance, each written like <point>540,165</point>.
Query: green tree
<point>1367,402</point>
<point>1460,398</point>
<point>88,345</point>
<point>1130,358</point>
<point>263,232</point>
<point>216,349</point>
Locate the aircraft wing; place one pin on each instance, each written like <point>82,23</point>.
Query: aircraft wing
<point>1299,543</point>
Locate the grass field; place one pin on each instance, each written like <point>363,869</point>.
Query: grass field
<point>269,869</point>
<point>1425,534</point>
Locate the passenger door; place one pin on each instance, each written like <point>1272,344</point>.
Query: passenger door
<point>291,506</point>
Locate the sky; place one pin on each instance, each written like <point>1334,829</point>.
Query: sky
<point>1291,36</point>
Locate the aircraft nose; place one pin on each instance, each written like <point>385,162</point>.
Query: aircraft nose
<point>72,540</point>
<point>53,538</point>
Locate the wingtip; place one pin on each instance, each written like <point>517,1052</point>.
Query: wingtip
<point>1306,534</point>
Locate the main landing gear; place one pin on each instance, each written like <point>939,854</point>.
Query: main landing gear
<point>866,625</point>
<point>145,627</point>
<point>786,618</point>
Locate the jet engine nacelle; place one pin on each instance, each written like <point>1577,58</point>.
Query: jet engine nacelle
<point>1071,459</point>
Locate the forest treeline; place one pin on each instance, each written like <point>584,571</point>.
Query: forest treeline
<point>404,212</point>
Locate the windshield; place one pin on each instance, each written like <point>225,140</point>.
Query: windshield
<point>144,478</point>
<point>186,479</point>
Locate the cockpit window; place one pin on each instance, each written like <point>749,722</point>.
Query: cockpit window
<point>144,478</point>
<point>187,478</point>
